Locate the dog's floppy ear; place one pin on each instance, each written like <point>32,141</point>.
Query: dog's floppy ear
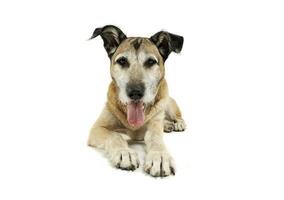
<point>112,37</point>
<point>167,42</point>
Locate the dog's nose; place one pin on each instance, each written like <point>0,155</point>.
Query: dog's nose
<point>135,91</point>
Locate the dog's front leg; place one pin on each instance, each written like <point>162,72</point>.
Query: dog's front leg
<point>120,155</point>
<point>116,147</point>
<point>158,161</point>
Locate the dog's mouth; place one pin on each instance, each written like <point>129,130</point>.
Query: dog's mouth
<point>135,113</point>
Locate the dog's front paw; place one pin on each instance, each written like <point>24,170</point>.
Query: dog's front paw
<point>125,159</point>
<point>179,125</point>
<point>168,126</point>
<point>159,163</point>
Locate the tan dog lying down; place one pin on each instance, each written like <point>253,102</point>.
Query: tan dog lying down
<point>138,103</point>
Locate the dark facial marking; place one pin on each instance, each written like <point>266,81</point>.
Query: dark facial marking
<point>136,43</point>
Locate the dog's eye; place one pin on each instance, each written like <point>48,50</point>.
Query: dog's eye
<point>150,62</point>
<point>122,61</point>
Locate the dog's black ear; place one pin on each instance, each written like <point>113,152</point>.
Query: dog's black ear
<point>167,42</point>
<point>112,37</point>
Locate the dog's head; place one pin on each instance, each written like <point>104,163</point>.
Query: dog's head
<point>137,66</point>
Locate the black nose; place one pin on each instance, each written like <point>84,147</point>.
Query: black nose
<point>135,91</point>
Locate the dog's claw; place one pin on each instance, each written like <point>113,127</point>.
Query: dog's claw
<point>173,171</point>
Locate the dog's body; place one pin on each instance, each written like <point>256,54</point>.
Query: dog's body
<point>138,103</point>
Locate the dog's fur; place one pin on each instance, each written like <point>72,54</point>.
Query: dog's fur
<point>161,111</point>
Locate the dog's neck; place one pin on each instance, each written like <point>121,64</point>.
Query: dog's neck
<point>118,109</point>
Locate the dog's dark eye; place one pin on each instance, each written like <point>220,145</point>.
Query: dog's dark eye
<point>150,62</point>
<point>123,62</point>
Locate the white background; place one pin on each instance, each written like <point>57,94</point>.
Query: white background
<point>228,81</point>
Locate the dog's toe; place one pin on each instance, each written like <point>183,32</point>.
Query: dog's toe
<point>168,126</point>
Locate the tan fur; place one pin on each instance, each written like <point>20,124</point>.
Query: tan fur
<point>161,115</point>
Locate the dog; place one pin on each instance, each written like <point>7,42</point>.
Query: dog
<point>138,104</point>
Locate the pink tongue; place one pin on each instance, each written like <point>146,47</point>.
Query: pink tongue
<point>135,114</point>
